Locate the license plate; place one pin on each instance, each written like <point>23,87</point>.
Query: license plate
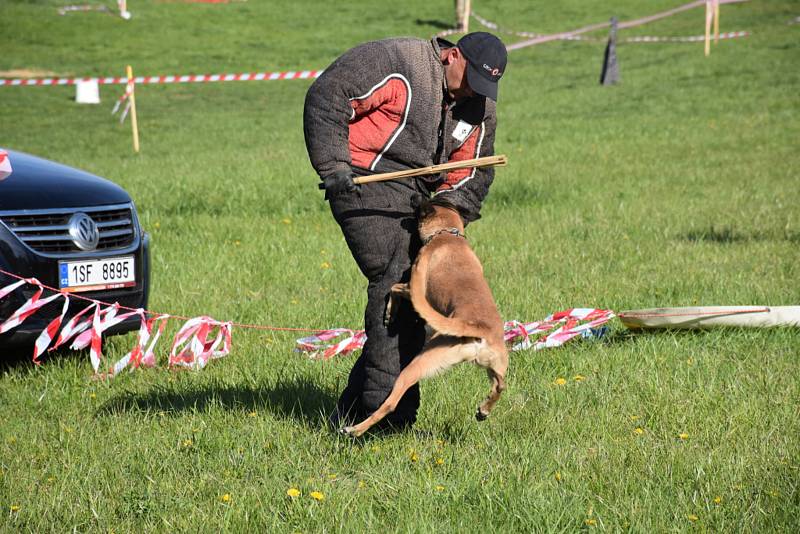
<point>95,275</point>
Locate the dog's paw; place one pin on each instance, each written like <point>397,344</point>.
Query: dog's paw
<point>349,431</point>
<point>480,415</point>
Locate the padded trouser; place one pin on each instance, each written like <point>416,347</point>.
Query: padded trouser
<point>380,228</point>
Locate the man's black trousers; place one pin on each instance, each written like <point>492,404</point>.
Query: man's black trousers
<point>380,228</point>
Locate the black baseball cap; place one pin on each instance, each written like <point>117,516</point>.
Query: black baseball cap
<point>486,62</point>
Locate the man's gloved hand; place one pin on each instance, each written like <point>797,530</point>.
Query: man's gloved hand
<point>338,183</point>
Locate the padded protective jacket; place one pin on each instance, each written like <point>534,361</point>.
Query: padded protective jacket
<point>381,107</point>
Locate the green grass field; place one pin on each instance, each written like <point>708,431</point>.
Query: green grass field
<point>677,187</point>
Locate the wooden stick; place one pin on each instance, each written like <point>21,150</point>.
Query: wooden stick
<point>716,21</point>
<point>467,9</point>
<point>709,16</point>
<point>134,125</point>
<point>487,161</point>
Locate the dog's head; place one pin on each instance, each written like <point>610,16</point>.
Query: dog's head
<point>436,214</point>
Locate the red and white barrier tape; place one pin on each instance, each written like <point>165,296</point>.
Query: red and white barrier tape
<point>188,78</point>
<point>203,338</point>
<point>570,35</point>
<point>687,39</point>
<point>5,165</point>
<point>128,92</point>
<point>194,344</point>
<point>562,326</point>
<point>565,325</point>
<point>640,39</point>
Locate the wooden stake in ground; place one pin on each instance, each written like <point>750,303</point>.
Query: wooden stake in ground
<point>487,161</point>
<point>716,21</point>
<point>462,15</point>
<point>132,98</point>
<point>709,17</point>
<point>123,9</point>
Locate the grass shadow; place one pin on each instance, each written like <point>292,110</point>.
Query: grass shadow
<point>726,235</point>
<point>21,357</point>
<point>435,23</point>
<point>299,399</point>
<point>15,358</point>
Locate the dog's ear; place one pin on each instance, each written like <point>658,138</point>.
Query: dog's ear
<point>422,205</point>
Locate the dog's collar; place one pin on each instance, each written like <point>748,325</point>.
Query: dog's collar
<point>453,231</point>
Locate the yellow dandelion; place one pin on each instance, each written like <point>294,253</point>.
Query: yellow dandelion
<point>325,265</point>
<point>317,495</point>
<point>634,417</point>
<point>361,484</point>
<point>11,440</point>
<point>332,476</point>
<point>237,242</point>
<point>439,461</point>
<point>253,414</point>
<point>286,220</point>
<point>157,224</point>
<point>692,517</point>
<point>717,500</point>
<point>439,488</point>
<point>187,443</point>
<point>15,508</point>
<point>50,480</point>
<point>375,448</point>
<point>92,395</point>
<point>226,498</point>
<point>690,361</point>
<point>558,476</point>
<point>414,456</point>
<point>638,431</point>
<point>591,522</point>
<point>293,492</point>
<point>295,301</point>
<point>774,493</point>
<point>683,435</point>
<point>578,378</point>
<point>560,381</point>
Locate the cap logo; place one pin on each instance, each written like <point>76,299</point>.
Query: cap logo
<point>493,71</point>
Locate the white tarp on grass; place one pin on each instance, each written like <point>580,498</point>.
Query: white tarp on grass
<point>712,316</point>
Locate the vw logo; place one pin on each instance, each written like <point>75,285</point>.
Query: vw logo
<point>84,231</point>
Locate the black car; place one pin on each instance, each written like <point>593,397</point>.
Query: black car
<point>70,230</point>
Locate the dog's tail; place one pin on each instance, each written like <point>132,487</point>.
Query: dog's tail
<point>449,326</point>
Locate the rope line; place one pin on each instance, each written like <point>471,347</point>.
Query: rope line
<point>687,314</point>
<point>167,316</point>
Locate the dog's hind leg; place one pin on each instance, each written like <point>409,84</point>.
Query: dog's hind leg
<point>398,291</point>
<point>424,365</point>
<point>497,377</point>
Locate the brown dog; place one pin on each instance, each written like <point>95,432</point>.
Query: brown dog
<point>448,290</point>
